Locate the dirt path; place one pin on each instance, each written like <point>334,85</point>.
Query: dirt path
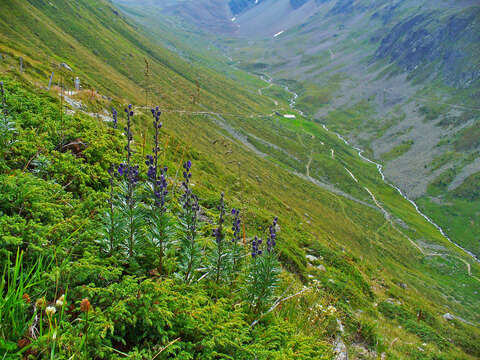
<point>310,158</point>
<point>382,209</point>
<point>270,84</point>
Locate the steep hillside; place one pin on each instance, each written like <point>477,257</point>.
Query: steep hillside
<point>95,39</point>
<point>353,251</point>
<point>400,79</point>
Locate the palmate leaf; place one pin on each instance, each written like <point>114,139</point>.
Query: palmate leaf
<point>189,250</point>
<point>111,231</point>
<point>161,225</point>
<point>262,279</point>
<point>7,133</point>
<point>220,263</point>
<point>132,216</point>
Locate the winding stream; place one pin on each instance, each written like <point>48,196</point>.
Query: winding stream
<point>380,170</point>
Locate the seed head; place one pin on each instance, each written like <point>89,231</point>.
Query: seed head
<point>85,306</point>
<point>50,311</point>
<point>40,303</point>
<point>26,298</point>
<point>60,301</point>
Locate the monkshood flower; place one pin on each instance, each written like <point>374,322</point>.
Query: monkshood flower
<point>128,133</point>
<point>115,118</point>
<point>156,118</point>
<point>186,173</point>
<point>130,173</point>
<point>236,225</point>
<point>127,170</point>
<point>256,247</point>
<point>217,232</point>
<point>131,213</point>
<point>271,241</point>
<point>219,258</point>
<point>188,198</point>
<point>190,250</point>
<point>157,176</point>
<point>236,248</point>
<point>161,191</point>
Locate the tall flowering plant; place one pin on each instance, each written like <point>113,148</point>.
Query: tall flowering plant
<point>7,126</point>
<point>219,260</point>
<point>159,224</point>
<point>129,199</point>
<point>235,243</point>
<point>189,249</point>
<point>113,224</point>
<point>114,118</point>
<point>263,270</point>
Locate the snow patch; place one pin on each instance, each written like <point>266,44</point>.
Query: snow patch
<point>279,33</point>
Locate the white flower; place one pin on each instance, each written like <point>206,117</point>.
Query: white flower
<point>50,310</point>
<point>59,302</point>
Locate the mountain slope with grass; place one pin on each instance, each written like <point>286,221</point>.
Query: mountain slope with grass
<point>111,249</point>
<point>401,80</point>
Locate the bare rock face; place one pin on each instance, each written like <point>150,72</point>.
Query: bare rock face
<point>423,40</point>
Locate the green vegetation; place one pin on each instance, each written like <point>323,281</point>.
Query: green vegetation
<point>121,311</point>
<point>432,111</point>
<point>459,217</point>
<point>346,120</point>
<point>398,150</point>
<point>86,297</point>
<point>469,189</point>
<point>469,138</point>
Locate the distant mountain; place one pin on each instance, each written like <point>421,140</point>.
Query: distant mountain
<point>239,6</point>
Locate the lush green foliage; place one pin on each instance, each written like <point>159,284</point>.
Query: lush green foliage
<point>56,194</point>
<point>111,309</point>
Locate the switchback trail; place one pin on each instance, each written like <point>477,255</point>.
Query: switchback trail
<point>380,170</point>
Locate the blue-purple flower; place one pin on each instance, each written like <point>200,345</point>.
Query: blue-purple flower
<point>156,175</point>
<point>256,247</point>
<point>217,232</point>
<point>115,118</point>
<point>236,225</point>
<point>271,241</point>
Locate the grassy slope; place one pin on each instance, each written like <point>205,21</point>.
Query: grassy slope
<point>316,219</point>
<point>321,85</point>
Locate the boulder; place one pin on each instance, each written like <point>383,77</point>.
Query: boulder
<point>448,317</point>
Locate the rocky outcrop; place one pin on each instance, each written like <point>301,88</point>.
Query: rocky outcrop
<point>239,6</point>
<point>387,14</point>
<point>425,40</point>
<point>342,7</point>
